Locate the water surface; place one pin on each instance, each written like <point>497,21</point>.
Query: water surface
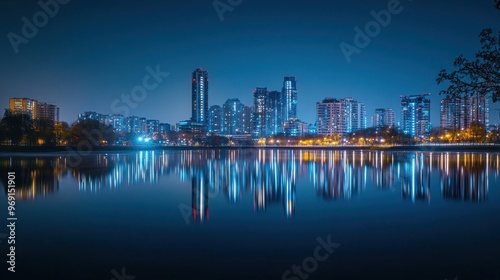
<point>253,214</point>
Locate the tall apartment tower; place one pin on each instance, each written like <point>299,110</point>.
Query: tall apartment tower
<point>199,95</point>
<point>289,98</point>
<point>384,117</point>
<point>416,115</point>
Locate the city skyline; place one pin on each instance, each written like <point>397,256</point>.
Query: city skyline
<point>102,70</point>
<point>266,116</point>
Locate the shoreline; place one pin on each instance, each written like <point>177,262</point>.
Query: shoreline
<point>402,148</point>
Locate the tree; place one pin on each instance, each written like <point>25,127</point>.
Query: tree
<point>44,132</point>
<point>478,77</point>
<point>90,131</point>
<point>477,132</point>
<point>61,131</point>
<point>17,128</point>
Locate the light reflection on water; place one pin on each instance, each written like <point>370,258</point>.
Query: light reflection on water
<point>289,181</point>
<point>270,176</point>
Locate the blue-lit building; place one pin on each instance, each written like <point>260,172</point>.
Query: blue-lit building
<point>199,95</point>
<point>92,116</point>
<point>215,119</point>
<point>233,113</point>
<point>118,123</point>
<point>260,112</point>
<point>275,112</point>
<point>416,115</point>
<point>289,98</point>
<point>152,126</point>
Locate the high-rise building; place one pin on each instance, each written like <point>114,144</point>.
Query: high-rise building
<point>384,117</point>
<point>48,112</point>
<point>478,112</point>
<point>355,115</point>
<point>143,123</point>
<point>247,119</point>
<point>118,123</point>
<point>24,106</point>
<point>133,125</point>
<point>330,117</point>
<point>152,126</point>
<point>215,119</point>
<point>275,112</point>
<point>453,113</point>
<point>199,96</point>
<point>340,117</point>
<point>289,98</point>
<point>260,112</point>
<point>416,115</point>
<point>233,111</point>
<point>460,113</point>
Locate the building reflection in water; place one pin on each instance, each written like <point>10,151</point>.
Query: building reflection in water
<point>416,177</point>
<point>270,177</point>
<point>35,176</point>
<point>465,176</point>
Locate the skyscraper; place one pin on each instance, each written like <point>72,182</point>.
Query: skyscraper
<point>452,113</point>
<point>460,113</point>
<point>416,115</point>
<point>355,115</point>
<point>275,112</point>
<point>260,112</point>
<point>247,119</point>
<point>233,111</point>
<point>200,97</point>
<point>478,111</point>
<point>289,98</point>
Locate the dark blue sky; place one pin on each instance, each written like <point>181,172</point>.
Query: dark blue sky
<point>92,52</point>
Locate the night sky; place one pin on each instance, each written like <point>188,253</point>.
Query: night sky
<point>92,52</point>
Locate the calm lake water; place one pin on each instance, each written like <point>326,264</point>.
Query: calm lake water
<point>255,214</point>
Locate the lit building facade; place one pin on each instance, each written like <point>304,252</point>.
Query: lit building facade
<point>416,115</point>
<point>289,98</point>
<point>260,112</point>
<point>340,117</point>
<point>384,118</point>
<point>199,95</point>
<point>233,111</point>
<point>24,106</point>
<point>48,112</point>
<point>459,113</point>
<point>215,119</point>
<point>275,112</point>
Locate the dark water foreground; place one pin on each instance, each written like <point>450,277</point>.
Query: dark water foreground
<point>255,214</point>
